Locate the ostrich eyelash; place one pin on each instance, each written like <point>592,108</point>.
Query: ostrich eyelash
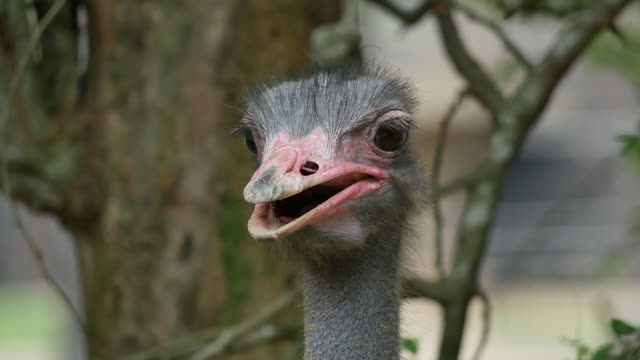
<point>401,123</point>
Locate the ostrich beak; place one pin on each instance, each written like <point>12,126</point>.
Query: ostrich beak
<point>287,199</point>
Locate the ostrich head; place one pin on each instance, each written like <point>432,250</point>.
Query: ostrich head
<point>336,184</point>
<point>334,160</point>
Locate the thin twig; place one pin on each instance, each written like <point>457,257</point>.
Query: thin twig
<point>38,256</point>
<point>441,141</point>
<point>249,334</point>
<point>617,32</point>
<point>177,348</point>
<point>267,334</point>
<point>464,181</point>
<point>536,7</point>
<point>229,336</point>
<point>24,61</point>
<point>182,347</point>
<point>497,31</point>
<point>486,324</point>
<point>407,17</point>
<point>480,84</point>
<point>515,118</point>
<point>36,252</point>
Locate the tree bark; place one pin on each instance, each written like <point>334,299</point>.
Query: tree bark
<point>131,152</point>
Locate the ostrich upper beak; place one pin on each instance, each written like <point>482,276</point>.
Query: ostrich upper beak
<point>288,197</point>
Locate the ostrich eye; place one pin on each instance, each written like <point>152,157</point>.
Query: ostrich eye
<point>251,143</point>
<point>389,138</point>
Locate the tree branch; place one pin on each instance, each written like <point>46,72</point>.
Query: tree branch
<point>441,141</point>
<point>23,64</point>
<point>263,335</point>
<point>439,291</point>
<point>266,334</point>
<point>39,259</point>
<point>513,122</point>
<point>522,110</point>
<point>335,43</point>
<point>212,343</point>
<point>232,335</point>
<point>465,181</point>
<point>407,17</point>
<point>101,47</point>
<point>537,7</point>
<point>497,31</point>
<point>480,84</point>
<point>178,348</point>
<point>34,192</point>
<point>455,316</point>
<point>486,324</point>
<point>28,182</point>
<point>5,181</point>
<point>571,42</point>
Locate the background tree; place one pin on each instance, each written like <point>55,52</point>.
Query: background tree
<point>114,119</point>
<point>512,115</point>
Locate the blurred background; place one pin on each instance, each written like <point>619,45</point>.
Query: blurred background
<point>563,256</point>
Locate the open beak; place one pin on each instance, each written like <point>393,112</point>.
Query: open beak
<point>288,199</point>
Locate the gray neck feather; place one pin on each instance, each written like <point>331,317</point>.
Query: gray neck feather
<point>351,304</point>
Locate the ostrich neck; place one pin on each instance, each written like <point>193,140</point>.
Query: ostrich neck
<point>351,305</point>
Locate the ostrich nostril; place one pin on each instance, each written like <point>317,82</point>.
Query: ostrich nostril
<point>309,168</point>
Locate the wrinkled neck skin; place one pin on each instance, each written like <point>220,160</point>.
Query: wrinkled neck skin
<point>351,303</point>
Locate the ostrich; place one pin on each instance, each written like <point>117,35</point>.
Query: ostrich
<point>335,186</point>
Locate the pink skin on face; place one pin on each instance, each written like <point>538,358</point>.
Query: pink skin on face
<point>355,166</point>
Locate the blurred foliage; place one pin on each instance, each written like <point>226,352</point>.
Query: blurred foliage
<point>30,314</point>
<point>624,346</point>
<point>618,49</point>
<point>621,54</point>
<point>631,148</point>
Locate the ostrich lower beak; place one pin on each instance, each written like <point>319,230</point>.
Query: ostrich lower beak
<point>287,201</point>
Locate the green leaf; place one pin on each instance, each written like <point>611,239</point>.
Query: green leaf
<point>630,148</point>
<point>630,144</point>
<point>602,353</point>
<point>622,328</point>
<point>411,345</point>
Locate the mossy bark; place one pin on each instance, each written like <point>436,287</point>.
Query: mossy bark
<point>131,152</point>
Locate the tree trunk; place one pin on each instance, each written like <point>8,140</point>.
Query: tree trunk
<point>129,149</point>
